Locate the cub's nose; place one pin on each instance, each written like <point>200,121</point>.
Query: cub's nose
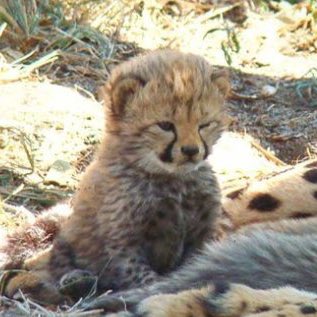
<point>190,150</point>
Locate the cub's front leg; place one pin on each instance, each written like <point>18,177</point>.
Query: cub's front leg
<point>149,245</point>
<point>163,235</point>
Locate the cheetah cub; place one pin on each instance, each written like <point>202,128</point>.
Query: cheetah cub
<point>149,199</point>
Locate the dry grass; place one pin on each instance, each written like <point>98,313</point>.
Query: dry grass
<point>306,89</point>
<point>156,24</point>
<point>31,309</point>
<point>41,37</point>
<point>82,34</point>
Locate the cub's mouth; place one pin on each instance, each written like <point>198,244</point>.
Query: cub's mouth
<point>184,162</point>
<point>190,162</point>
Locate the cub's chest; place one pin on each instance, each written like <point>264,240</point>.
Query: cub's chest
<point>196,203</point>
<point>177,201</point>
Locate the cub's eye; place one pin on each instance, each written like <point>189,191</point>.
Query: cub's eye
<point>166,125</point>
<point>212,124</point>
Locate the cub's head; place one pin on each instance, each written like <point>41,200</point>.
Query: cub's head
<point>165,110</point>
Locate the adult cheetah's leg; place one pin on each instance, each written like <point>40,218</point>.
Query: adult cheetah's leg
<point>233,300</point>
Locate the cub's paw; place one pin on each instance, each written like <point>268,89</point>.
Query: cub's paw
<point>18,284</point>
<point>77,284</point>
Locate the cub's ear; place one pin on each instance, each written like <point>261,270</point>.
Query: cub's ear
<point>121,91</point>
<point>221,79</point>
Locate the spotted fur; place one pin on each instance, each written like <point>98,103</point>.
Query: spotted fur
<point>237,301</point>
<point>289,192</point>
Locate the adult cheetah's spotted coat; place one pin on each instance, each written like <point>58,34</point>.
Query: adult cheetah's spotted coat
<point>286,193</point>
